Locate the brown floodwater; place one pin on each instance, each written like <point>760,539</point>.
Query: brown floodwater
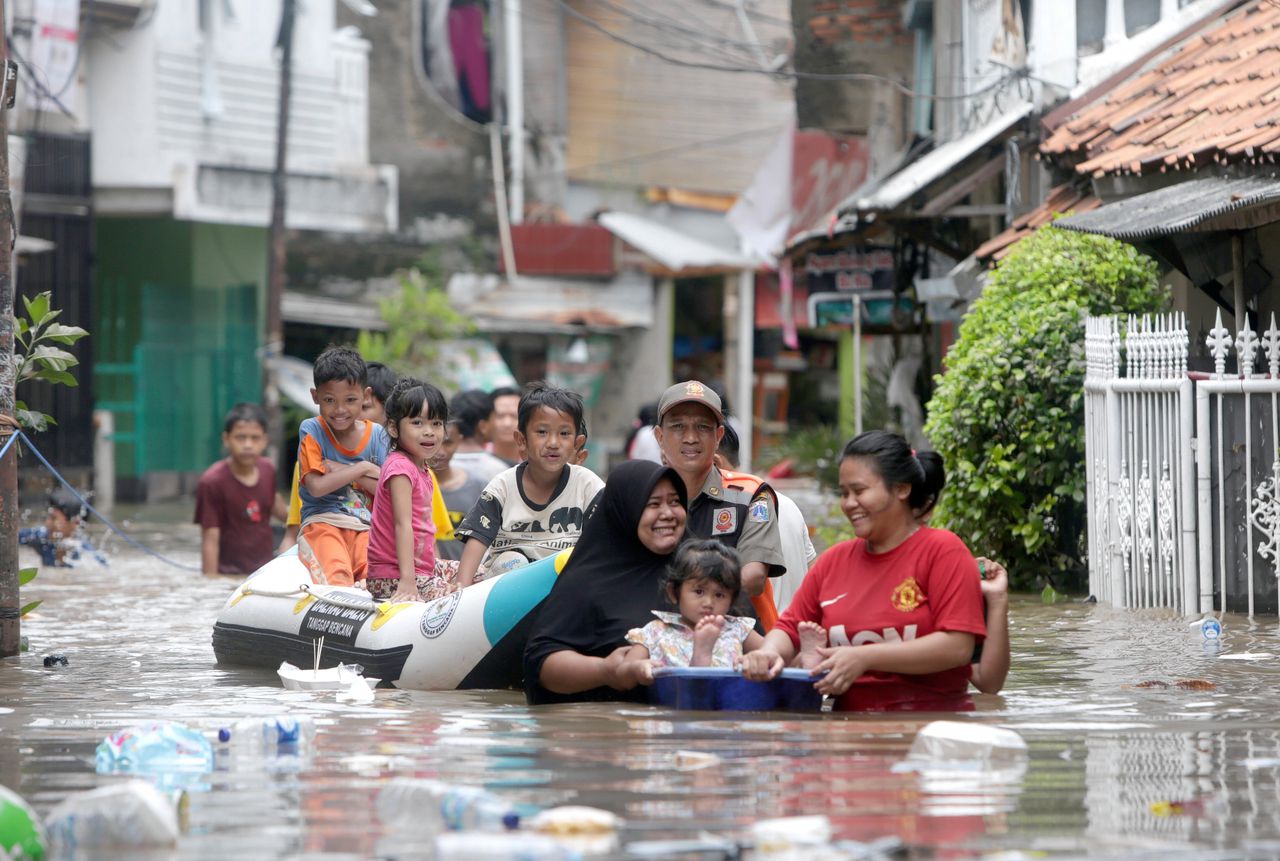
<point>1115,769</point>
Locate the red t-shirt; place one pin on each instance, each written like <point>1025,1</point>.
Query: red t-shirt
<point>927,583</point>
<point>242,512</point>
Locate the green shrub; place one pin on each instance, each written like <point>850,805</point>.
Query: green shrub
<point>419,319</point>
<point>1007,415</point>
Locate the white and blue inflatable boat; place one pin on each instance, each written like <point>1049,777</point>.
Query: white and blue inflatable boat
<point>471,639</point>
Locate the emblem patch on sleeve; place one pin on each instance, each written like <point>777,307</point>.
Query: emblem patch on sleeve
<point>759,510</point>
<point>723,521</point>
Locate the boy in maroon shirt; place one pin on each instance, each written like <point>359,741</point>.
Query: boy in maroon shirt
<point>237,498</point>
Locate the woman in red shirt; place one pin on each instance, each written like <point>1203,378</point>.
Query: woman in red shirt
<point>900,604</point>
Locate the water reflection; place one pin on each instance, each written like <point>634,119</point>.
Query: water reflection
<point>1116,767</point>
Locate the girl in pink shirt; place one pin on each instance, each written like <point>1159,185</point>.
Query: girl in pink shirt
<point>402,535</point>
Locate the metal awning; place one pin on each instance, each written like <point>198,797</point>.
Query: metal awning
<point>325,311</point>
<point>678,253</point>
<point>553,305</point>
<point>33,245</point>
<point>919,174</point>
<point>1202,205</point>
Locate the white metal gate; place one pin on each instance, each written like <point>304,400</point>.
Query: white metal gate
<point>1183,469</point>
<point>1141,480</point>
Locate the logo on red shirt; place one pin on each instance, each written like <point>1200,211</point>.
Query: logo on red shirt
<point>253,511</point>
<point>907,596</point>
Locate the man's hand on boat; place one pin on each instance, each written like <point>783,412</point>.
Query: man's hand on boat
<point>762,664</point>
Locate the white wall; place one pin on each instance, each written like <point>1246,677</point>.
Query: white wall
<point>158,102</point>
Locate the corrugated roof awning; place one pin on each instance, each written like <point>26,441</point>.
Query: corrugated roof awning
<point>553,305</point>
<point>919,174</point>
<point>298,307</point>
<point>677,253</point>
<point>1199,205</point>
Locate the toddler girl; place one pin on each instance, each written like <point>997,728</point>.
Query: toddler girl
<point>402,535</point>
<point>702,582</point>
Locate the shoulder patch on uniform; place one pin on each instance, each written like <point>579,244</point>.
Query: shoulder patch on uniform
<point>759,510</point>
<point>724,521</point>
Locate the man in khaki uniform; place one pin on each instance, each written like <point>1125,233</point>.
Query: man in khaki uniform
<point>734,508</point>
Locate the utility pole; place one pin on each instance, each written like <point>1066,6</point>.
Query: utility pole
<point>10,623</point>
<point>515,106</point>
<point>277,245</point>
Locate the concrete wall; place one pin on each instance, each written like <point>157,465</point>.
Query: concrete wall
<point>852,36</point>
<point>441,156</point>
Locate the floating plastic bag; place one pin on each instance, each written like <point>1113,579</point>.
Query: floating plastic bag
<point>158,748</point>
<point>792,837</point>
<point>952,743</point>
<point>588,830</point>
<point>967,769</point>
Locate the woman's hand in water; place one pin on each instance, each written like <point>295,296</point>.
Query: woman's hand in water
<point>843,665</point>
<point>623,674</point>
<point>761,665</point>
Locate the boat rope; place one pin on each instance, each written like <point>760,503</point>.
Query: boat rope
<point>305,588</point>
<point>17,434</point>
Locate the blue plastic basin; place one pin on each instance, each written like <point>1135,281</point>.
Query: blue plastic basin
<point>716,689</point>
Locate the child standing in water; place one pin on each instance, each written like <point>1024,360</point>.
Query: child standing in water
<point>402,536</point>
<point>703,582</point>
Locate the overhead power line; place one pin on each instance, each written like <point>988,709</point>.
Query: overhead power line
<point>793,74</point>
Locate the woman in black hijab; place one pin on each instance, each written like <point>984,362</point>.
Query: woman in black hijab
<point>609,586</point>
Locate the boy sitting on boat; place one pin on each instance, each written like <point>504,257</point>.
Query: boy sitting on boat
<point>339,457</point>
<point>535,509</point>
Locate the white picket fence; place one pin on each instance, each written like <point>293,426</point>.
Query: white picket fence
<point>1183,504</point>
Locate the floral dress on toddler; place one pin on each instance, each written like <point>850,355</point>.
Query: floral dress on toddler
<point>669,640</point>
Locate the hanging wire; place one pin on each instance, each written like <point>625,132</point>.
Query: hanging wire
<point>17,434</point>
<point>793,74</point>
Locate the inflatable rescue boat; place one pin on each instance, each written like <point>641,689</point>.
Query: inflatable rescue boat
<point>471,639</point>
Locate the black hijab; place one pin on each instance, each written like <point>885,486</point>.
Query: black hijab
<point>611,583</point>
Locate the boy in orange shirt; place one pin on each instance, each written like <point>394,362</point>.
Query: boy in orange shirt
<point>339,457</point>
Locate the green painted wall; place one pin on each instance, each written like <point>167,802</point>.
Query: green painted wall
<point>180,309</point>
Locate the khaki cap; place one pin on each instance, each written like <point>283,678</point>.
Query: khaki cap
<point>690,392</point>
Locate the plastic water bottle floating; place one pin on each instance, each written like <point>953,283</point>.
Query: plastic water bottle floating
<point>155,748</point>
<point>282,733</point>
<point>121,814</point>
<point>432,806</point>
<point>1210,628</point>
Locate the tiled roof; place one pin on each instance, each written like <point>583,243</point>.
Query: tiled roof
<point>1063,198</point>
<point>1214,98</point>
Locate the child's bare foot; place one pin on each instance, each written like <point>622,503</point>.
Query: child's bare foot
<point>705,635</point>
<point>812,637</point>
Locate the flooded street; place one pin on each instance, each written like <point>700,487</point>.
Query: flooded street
<point>1115,770</point>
